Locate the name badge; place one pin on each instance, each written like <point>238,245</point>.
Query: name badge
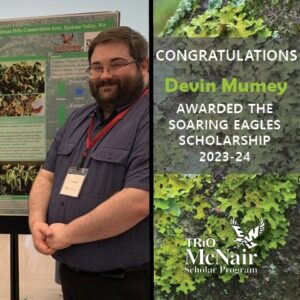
<point>73,182</point>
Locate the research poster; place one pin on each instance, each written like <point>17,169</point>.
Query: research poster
<point>42,79</point>
<point>226,150</point>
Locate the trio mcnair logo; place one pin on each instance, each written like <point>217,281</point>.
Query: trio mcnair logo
<point>204,256</point>
<point>67,45</point>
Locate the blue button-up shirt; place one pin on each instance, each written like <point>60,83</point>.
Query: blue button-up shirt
<point>119,160</point>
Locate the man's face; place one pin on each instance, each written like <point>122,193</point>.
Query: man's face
<point>116,86</point>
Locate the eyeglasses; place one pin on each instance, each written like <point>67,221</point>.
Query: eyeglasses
<point>95,71</point>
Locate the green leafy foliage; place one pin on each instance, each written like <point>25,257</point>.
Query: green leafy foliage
<point>230,21</point>
<point>199,206</point>
<point>17,179</point>
<point>279,17</point>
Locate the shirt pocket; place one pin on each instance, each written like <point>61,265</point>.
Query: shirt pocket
<point>111,155</point>
<point>65,148</point>
<point>63,161</point>
<point>107,171</point>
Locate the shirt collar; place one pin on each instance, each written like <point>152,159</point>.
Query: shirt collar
<point>98,112</point>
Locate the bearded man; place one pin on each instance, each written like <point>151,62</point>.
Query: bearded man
<point>89,204</point>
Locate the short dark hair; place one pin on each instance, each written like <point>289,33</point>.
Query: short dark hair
<point>138,46</point>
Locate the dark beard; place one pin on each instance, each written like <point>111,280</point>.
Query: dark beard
<point>128,89</point>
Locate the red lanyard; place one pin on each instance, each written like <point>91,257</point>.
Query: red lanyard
<point>90,142</point>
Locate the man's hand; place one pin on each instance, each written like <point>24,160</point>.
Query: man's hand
<point>39,233</point>
<point>57,237</point>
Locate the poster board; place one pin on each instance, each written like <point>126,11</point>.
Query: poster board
<point>42,79</point>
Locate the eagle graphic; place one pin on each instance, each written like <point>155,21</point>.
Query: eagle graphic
<point>247,240</point>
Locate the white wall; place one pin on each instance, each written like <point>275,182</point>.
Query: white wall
<point>134,13</point>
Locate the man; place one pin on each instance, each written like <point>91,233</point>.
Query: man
<point>89,204</point>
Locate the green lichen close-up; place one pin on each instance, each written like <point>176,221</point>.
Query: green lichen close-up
<point>281,18</point>
<point>229,21</point>
<point>202,206</point>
